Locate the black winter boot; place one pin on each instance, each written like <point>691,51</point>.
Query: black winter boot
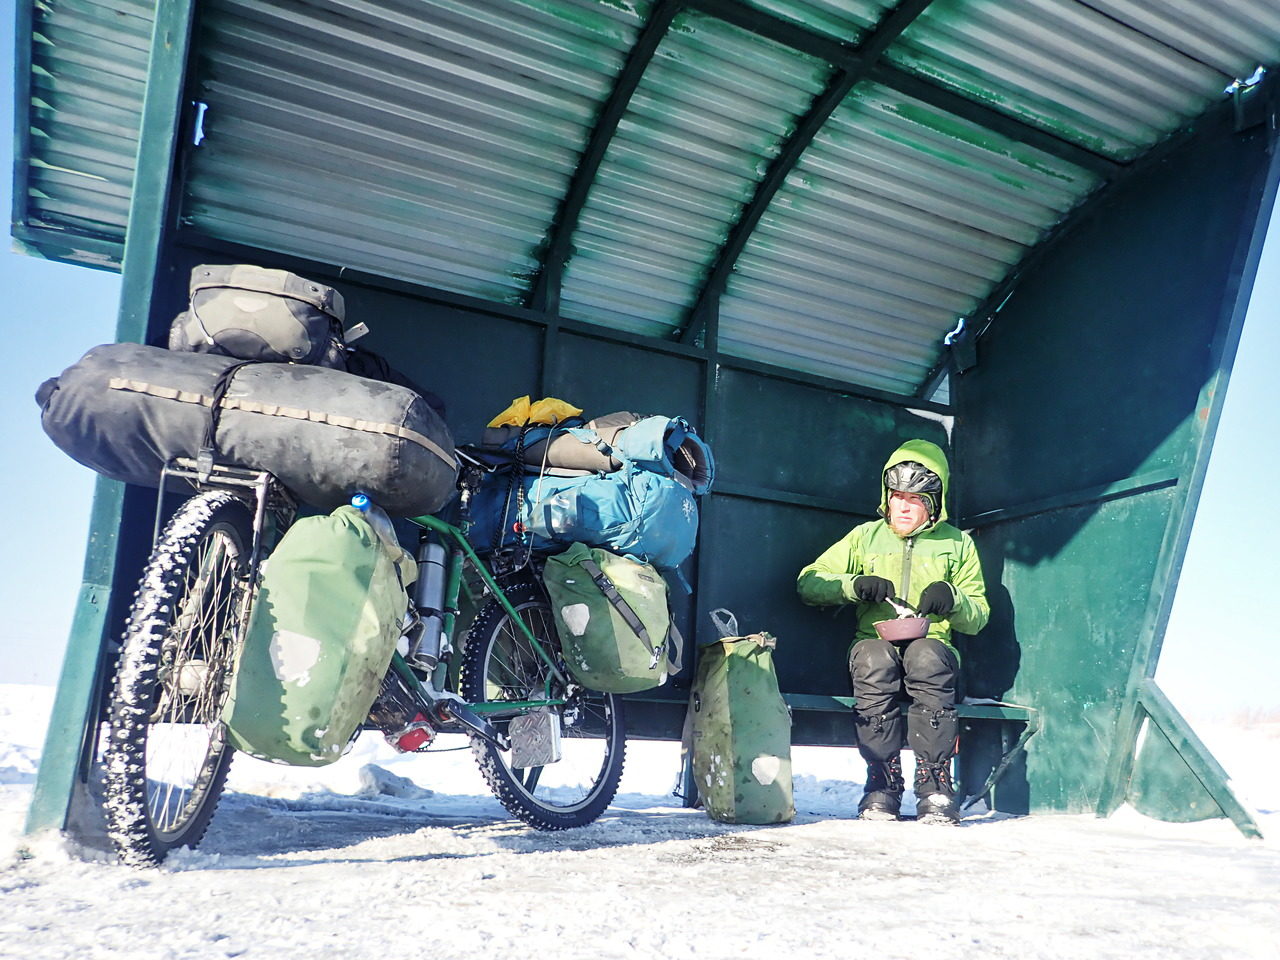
<point>935,795</point>
<point>882,797</point>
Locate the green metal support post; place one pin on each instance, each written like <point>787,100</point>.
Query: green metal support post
<point>73,727</point>
<point>1161,711</point>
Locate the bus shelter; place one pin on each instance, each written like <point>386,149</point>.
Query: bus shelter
<point>1027,232</point>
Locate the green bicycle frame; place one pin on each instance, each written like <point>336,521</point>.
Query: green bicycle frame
<point>460,552</point>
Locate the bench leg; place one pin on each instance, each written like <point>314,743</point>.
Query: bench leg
<point>1029,731</point>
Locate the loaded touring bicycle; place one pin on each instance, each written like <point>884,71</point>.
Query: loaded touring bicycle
<point>167,752</point>
<point>257,630</point>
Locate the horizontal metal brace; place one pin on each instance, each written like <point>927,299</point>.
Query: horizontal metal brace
<point>1143,483</point>
<point>748,491</point>
<point>970,711</point>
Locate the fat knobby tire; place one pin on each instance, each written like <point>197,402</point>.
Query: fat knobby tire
<point>140,684</point>
<point>485,631</point>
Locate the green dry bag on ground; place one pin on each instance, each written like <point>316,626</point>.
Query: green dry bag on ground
<point>612,617</point>
<point>323,627</point>
<point>741,733</point>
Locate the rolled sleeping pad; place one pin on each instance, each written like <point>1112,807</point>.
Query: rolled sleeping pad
<point>124,410</point>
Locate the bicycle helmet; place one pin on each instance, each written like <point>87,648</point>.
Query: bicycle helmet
<point>909,476</point>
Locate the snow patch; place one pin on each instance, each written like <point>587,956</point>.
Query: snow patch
<point>382,853</point>
<point>765,768</point>
<point>576,616</point>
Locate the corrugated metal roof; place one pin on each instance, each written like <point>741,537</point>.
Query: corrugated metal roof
<point>845,20</point>
<point>713,108</point>
<point>897,221</point>
<point>425,141</point>
<point>444,141</point>
<point>1063,65</point>
<point>88,69</point>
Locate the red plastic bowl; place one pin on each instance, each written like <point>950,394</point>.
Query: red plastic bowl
<point>902,629</point>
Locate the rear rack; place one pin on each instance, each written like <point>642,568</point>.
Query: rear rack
<point>267,493</point>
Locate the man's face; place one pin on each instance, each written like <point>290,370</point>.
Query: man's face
<point>907,511</point>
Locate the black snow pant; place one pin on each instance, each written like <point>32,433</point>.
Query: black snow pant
<point>925,673</point>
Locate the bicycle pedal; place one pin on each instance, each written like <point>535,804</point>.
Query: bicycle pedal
<point>414,736</point>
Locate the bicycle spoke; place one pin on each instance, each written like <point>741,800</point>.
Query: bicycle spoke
<point>196,654</point>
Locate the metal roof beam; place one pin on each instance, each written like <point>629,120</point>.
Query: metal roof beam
<point>1004,124</point>
<point>545,296</point>
<point>854,68</point>
<point>925,90</point>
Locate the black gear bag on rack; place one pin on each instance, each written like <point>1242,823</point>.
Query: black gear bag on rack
<point>125,410</point>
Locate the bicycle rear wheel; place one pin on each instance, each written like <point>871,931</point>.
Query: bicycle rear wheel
<point>501,664</point>
<point>166,756</point>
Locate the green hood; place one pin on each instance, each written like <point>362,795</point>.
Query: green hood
<point>929,454</point>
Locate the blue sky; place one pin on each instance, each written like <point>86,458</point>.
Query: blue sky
<point>1222,651</point>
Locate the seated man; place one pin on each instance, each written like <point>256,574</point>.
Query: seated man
<point>911,554</point>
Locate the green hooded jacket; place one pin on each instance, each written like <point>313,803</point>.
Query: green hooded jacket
<point>936,551</point>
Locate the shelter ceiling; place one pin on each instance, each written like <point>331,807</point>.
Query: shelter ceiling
<point>826,186</point>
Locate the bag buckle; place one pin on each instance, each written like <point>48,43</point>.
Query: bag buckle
<point>204,463</point>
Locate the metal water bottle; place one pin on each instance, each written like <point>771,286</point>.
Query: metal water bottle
<point>429,599</point>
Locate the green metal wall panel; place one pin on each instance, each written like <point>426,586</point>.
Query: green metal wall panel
<point>474,362</point>
<point>603,376</point>
<point>1160,783</point>
<point>1125,315</point>
<point>1063,632</point>
<point>1089,399</point>
<point>759,549</point>
<point>789,436</point>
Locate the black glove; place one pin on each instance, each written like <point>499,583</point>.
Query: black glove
<point>938,599</point>
<point>872,589</point>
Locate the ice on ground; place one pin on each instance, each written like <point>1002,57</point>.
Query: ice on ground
<point>383,854</point>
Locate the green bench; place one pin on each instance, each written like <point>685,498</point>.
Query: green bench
<point>1008,713</point>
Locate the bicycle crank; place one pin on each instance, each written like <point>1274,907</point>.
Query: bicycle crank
<point>456,710</point>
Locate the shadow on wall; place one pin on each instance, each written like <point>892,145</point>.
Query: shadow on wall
<point>990,660</point>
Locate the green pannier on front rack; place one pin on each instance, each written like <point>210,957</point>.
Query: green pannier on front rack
<point>320,637</point>
<point>612,617</point>
<point>741,733</point>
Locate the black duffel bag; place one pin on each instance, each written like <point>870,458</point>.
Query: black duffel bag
<point>124,410</point>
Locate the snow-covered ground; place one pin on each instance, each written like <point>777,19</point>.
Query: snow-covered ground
<point>385,856</point>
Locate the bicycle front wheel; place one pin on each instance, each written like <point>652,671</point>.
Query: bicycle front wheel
<point>166,756</point>
<point>501,664</point>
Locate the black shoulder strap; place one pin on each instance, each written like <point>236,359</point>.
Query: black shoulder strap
<point>620,604</point>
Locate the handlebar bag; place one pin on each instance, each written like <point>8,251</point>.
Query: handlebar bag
<point>321,632</point>
<point>741,733</point>
<point>612,618</point>
<point>125,410</point>
<point>255,313</point>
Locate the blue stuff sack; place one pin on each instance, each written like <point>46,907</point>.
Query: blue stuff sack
<point>632,511</point>
<point>669,447</point>
<point>663,445</point>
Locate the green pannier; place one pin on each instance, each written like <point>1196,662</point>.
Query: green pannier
<point>323,627</point>
<point>612,617</point>
<point>741,733</point>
